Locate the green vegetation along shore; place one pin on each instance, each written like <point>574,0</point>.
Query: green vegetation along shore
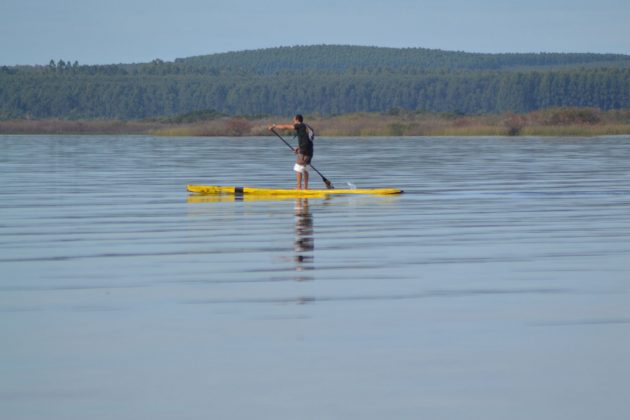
<point>396,122</point>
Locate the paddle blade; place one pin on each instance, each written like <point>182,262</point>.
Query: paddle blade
<point>329,184</point>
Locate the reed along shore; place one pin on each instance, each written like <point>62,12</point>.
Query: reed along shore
<point>396,122</point>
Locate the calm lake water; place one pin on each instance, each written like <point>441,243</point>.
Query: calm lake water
<point>496,287</point>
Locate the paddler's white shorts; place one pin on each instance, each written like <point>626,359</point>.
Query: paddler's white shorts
<point>299,168</point>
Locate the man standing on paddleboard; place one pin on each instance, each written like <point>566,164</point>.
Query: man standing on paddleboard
<point>304,150</point>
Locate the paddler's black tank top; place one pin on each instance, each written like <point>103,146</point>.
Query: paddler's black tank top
<point>304,142</point>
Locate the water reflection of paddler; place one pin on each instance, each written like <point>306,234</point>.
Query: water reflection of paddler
<point>304,235</point>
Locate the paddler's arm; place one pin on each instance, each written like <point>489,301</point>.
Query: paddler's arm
<point>282,126</point>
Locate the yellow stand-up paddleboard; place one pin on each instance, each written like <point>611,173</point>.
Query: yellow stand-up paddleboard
<point>216,189</point>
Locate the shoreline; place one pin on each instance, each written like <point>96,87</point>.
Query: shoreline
<point>554,122</point>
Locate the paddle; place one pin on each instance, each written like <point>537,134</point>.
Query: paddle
<point>329,184</point>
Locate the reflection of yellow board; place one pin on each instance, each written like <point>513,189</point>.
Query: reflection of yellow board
<point>273,192</point>
<point>226,198</point>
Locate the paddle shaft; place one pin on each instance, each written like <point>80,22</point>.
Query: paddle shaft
<point>329,184</point>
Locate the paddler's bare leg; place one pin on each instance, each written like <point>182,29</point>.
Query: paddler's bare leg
<point>300,169</point>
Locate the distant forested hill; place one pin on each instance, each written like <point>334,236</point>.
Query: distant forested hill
<point>317,79</point>
<point>342,58</point>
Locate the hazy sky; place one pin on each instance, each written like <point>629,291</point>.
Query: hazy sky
<point>124,31</point>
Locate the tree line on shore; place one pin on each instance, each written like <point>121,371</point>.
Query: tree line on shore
<point>322,80</point>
